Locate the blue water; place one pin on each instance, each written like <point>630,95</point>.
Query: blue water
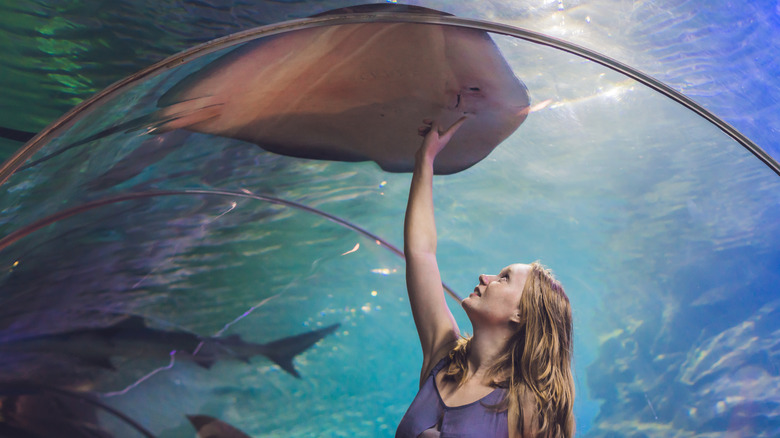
<point>663,230</point>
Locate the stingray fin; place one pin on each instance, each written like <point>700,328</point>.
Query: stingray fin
<point>186,114</point>
<point>382,7</point>
<point>282,351</point>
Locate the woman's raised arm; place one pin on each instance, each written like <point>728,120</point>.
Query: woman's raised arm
<point>435,324</point>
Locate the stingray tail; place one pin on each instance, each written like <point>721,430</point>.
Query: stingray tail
<point>158,122</point>
<point>129,126</point>
<point>15,134</point>
<point>282,351</point>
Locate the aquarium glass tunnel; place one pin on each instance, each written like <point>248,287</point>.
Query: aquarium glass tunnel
<point>215,239</point>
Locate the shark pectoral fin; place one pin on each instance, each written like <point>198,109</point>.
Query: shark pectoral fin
<point>282,351</point>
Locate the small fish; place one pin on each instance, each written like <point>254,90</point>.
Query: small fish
<point>132,338</point>
<point>209,427</point>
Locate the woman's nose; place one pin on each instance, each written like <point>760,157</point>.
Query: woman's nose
<point>485,279</point>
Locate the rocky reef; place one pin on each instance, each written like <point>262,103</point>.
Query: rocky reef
<point>692,360</point>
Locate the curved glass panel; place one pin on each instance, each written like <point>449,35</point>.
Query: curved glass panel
<point>662,228</point>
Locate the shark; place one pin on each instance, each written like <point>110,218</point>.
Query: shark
<point>132,337</point>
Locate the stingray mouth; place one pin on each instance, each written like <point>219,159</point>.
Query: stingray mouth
<point>464,94</point>
<point>458,102</point>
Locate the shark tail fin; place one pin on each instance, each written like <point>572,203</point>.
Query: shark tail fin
<point>282,351</point>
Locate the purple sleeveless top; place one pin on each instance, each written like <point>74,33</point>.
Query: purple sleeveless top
<point>474,420</point>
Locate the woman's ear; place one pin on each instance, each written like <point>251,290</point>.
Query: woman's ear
<point>516,318</point>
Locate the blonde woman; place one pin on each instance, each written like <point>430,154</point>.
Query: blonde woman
<point>512,378</point>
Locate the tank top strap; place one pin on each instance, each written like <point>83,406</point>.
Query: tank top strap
<point>441,364</point>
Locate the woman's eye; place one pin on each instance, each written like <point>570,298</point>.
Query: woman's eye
<point>503,279</point>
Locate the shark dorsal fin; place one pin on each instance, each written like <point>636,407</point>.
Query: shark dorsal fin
<point>382,7</point>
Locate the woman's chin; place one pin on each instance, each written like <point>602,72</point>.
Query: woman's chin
<point>468,303</point>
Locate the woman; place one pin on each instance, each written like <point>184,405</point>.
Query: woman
<point>512,378</point>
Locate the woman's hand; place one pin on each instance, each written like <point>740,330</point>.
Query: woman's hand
<point>434,138</point>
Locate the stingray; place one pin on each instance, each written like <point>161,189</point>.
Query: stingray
<point>357,92</point>
<point>351,92</point>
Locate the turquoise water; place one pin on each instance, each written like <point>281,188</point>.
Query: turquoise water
<point>663,229</point>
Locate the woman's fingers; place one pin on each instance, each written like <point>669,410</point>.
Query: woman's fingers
<point>430,123</point>
<point>426,128</point>
<point>455,126</point>
<point>433,125</point>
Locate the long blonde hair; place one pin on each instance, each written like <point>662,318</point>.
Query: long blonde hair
<point>537,363</point>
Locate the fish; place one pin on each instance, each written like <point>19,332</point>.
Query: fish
<point>356,92</point>
<point>346,92</point>
<point>131,337</point>
<point>210,427</point>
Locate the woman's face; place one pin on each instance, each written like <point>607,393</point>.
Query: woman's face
<point>497,297</point>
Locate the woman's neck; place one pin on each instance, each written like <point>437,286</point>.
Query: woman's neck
<point>485,349</point>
